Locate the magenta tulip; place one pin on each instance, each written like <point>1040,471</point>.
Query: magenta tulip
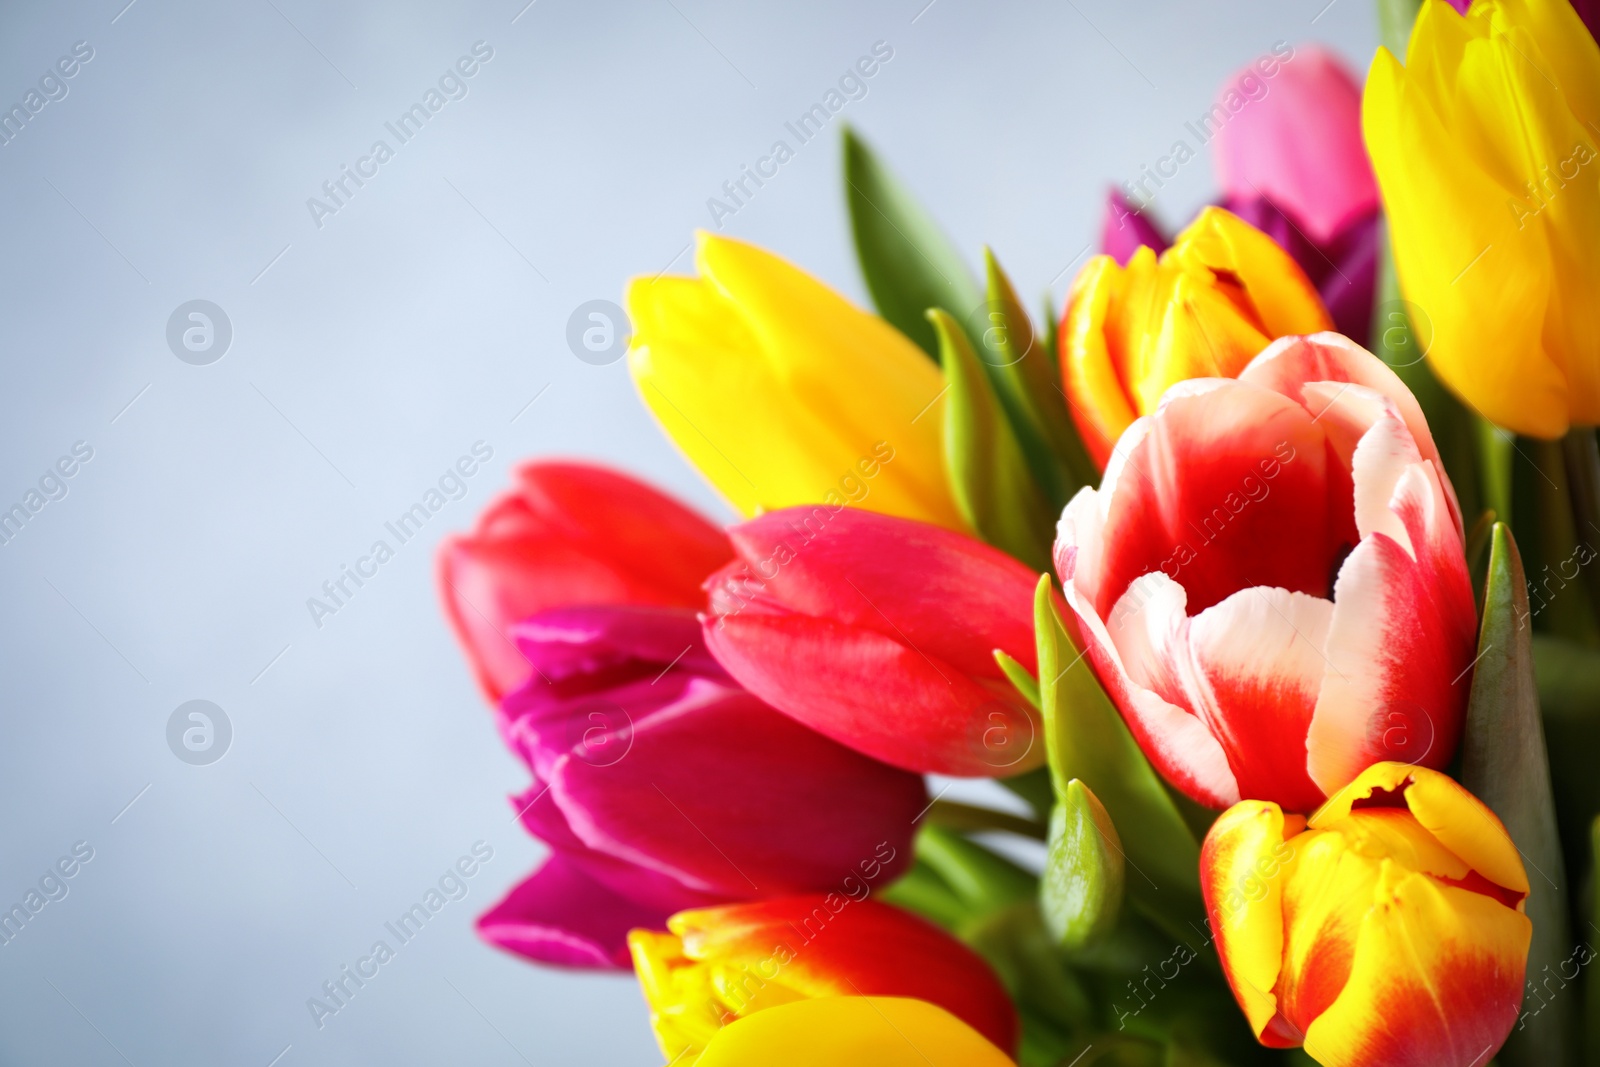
<point>660,785</point>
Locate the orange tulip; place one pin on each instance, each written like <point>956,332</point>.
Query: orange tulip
<point>1218,296</point>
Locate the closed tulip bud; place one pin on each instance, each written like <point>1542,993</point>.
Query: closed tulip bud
<point>880,633</point>
<point>568,534</point>
<point>1271,580</point>
<point>1388,928</point>
<point>719,965</point>
<point>1204,308</point>
<point>1484,145</point>
<point>782,392</point>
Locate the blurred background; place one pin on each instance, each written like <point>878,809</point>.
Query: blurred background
<point>353,341</point>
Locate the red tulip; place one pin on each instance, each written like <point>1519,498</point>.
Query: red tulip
<point>718,965</point>
<point>880,633</point>
<point>569,534</point>
<point>1271,580</point>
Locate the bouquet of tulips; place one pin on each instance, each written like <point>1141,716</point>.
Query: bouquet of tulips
<point>1262,577</point>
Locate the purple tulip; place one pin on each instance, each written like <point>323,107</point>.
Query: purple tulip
<point>660,784</point>
<point>1125,228</point>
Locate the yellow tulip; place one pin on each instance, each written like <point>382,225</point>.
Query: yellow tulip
<point>782,392</point>
<point>852,1032</point>
<point>1484,147</point>
<point>1218,296</point>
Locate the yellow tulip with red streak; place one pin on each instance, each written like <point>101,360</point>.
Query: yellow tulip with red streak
<point>1387,928</point>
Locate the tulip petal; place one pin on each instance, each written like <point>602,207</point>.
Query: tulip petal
<point>1175,740</point>
<point>1457,819</point>
<point>1458,250</point>
<point>559,915</point>
<point>1124,230</point>
<point>1302,368</point>
<point>833,678</point>
<point>569,533</point>
<point>1100,406</point>
<point>1241,875</point>
<point>1300,143</point>
<point>1402,626</point>
<point>929,587</point>
<point>652,806</point>
<point>1189,499</point>
<point>1436,979</point>
<point>778,388</point>
<point>852,1032</point>
<point>822,946</point>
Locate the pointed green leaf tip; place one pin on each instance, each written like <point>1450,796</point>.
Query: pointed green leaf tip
<point>990,479</point>
<point>1504,764</point>
<point>1080,891</point>
<point>908,263</point>
<point>1086,739</point>
<point>1027,379</point>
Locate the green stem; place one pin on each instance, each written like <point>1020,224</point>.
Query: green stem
<point>969,818</point>
<point>1582,454</point>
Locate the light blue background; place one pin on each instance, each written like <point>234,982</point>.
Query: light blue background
<point>375,351</point>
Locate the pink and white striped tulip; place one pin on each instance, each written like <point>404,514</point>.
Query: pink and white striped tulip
<point>1271,581</point>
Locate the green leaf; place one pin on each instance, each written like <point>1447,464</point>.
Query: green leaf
<point>1504,765</point>
<point>1591,983</point>
<point>1569,703</point>
<point>980,879</point>
<point>908,263</point>
<point>1086,739</point>
<point>1080,891</point>
<point>1395,19</point>
<point>992,484</point>
<point>921,890</point>
<point>1581,452</point>
<point>969,818</point>
<point>1033,787</point>
<point>1025,682</point>
<point>1028,382</point>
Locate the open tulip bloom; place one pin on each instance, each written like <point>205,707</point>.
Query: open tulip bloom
<point>1274,718</point>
